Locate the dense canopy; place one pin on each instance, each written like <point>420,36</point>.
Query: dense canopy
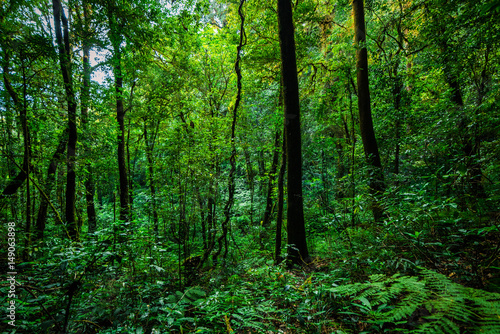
<point>211,166</point>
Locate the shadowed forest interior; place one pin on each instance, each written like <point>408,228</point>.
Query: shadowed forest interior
<point>250,166</point>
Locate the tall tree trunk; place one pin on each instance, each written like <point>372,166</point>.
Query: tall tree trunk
<point>116,39</point>
<point>62,37</point>
<point>89,179</point>
<point>376,182</point>
<point>298,252</point>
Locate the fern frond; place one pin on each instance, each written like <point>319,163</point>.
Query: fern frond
<point>428,303</point>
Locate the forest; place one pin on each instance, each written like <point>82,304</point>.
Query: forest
<point>250,166</point>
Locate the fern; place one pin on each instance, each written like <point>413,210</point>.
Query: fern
<point>428,303</point>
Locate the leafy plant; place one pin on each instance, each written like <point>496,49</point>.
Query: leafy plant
<point>428,303</point>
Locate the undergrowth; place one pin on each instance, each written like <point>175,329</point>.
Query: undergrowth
<point>427,303</point>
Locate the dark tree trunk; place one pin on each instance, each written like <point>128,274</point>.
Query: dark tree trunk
<point>116,39</point>
<point>298,252</point>
<point>62,37</point>
<point>49,185</point>
<point>376,182</point>
<point>16,182</point>
<point>87,71</point>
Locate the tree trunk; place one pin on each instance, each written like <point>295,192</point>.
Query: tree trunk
<point>89,180</point>
<point>62,37</point>
<point>298,252</point>
<point>376,182</point>
<point>49,185</point>
<point>116,39</point>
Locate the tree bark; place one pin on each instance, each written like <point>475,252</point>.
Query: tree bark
<point>62,37</point>
<point>49,185</point>
<point>298,252</point>
<point>376,182</point>
<point>116,39</point>
<point>89,179</point>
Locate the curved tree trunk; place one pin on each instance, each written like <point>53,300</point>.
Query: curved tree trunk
<point>49,185</point>
<point>376,182</point>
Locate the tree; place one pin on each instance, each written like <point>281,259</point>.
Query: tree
<point>297,243</point>
<point>85,102</point>
<point>63,44</point>
<point>116,39</point>
<point>376,182</point>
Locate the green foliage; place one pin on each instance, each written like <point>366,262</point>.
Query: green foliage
<point>179,84</point>
<point>427,303</point>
